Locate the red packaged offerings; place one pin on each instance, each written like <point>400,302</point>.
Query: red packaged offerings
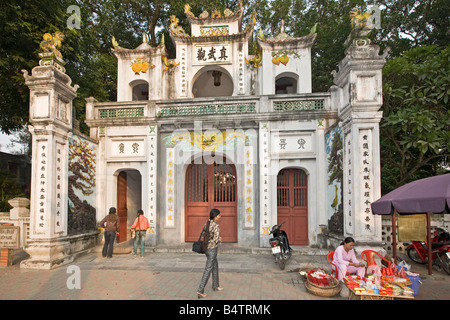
<point>320,278</point>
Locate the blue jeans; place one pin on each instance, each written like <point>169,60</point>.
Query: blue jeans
<point>212,266</point>
<point>110,236</point>
<point>140,238</point>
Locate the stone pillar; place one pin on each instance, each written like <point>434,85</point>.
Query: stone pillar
<point>359,96</point>
<point>20,216</point>
<point>51,96</point>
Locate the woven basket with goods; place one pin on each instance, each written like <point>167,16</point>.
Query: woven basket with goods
<point>321,284</point>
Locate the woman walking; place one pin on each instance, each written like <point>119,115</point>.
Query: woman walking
<point>212,266</point>
<point>141,225</point>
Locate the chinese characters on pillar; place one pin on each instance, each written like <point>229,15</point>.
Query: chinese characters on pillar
<point>348,204</point>
<point>43,161</point>
<point>59,187</point>
<point>264,181</point>
<point>367,179</point>
<point>212,54</point>
<point>170,187</point>
<point>152,171</point>
<point>249,209</point>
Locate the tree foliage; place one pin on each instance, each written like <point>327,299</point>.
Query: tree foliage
<point>415,133</point>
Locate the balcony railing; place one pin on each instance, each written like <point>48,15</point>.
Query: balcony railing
<point>206,109</point>
<point>298,105</point>
<point>121,113</point>
<point>213,106</point>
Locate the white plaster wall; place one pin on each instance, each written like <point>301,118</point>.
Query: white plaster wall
<point>109,166</point>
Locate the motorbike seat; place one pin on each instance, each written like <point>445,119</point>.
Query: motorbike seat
<point>435,245</point>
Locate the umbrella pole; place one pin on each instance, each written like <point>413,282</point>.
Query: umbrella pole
<point>394,236</point>
<point>430,253</point>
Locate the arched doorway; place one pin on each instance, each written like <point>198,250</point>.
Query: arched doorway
<point>210,186</point>
<point>139,90</point>
<point>286,83</point>
<point>292,204</point>
<point>129,200</point>
<point>212,82</point>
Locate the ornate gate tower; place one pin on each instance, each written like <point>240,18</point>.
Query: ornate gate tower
<point>359,90</point>
<point>51,96</point>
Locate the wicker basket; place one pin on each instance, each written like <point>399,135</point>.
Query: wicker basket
<point>322,291</point>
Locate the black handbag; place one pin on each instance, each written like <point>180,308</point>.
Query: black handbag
<point>199,245</point>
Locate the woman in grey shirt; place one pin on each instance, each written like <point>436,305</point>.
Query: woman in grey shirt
<point>212,264</point>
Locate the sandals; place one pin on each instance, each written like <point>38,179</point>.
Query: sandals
<point>203,295</point>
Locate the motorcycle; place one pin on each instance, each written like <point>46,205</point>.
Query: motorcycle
<point>417,251</point>
<point>280,245</point>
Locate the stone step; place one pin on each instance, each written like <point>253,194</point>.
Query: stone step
<point>226,248</point>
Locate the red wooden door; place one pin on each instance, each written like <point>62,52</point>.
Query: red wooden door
<point>122,205</point>
<point>292,204</point>
<point>208,187</point>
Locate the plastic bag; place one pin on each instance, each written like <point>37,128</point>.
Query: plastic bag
<point>404,265</point>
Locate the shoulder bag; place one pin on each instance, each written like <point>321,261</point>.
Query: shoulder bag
<point>200,246</point>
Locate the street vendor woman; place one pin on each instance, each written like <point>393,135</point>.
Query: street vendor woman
<point>345,259</point>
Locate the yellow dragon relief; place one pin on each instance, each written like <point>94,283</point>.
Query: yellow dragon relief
<point>175,28</point>
<point>255,60</point>
<point>167,63</point>
<point>52,43</point>
<point>208,141</point>
<point>360,20</point>
<point>187,11</point>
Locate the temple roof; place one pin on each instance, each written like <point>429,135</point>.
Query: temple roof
<point>143,48</point>
<point>215,17</point>
<point>220,32</point>
<point>283,38</point>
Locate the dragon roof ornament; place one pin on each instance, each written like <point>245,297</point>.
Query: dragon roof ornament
<point>215,15</point>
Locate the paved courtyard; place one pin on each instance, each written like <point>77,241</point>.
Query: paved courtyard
<point>176,275</point>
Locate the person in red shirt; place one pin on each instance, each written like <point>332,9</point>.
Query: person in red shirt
<point>141,225</point>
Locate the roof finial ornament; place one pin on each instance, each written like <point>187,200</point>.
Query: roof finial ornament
<point>282,35</point>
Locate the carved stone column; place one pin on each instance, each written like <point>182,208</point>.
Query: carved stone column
<point>51,96</point>
<point>359,92</point>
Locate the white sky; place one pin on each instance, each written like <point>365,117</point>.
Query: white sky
<point>4,142</point>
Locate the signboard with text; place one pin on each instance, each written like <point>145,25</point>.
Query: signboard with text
<point>216,53</point>
<point>9,237</point>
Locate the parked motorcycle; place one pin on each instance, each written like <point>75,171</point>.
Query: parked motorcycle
<point>280,245</point>
<point>440,247</point>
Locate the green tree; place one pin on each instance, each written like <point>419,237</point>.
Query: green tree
<point>415,129</point>
<point>22,24</point>
<point>9,189</point>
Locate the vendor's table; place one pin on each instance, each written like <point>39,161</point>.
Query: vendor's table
<point>369,296</point>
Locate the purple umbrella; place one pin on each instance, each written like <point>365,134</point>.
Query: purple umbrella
<point>420,196</point>
<point>424,196</point>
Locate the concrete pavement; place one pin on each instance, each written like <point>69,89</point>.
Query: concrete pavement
<point>175,273</point>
